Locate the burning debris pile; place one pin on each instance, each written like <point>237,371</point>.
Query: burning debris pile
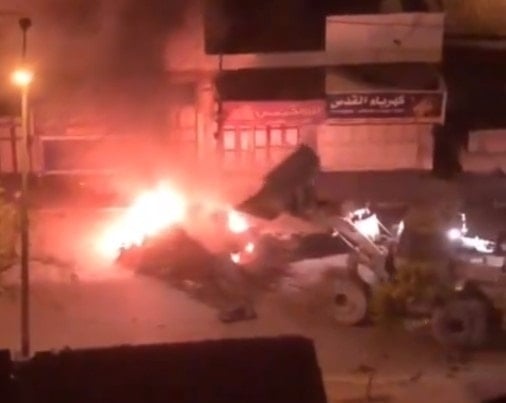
<point>152,237</point>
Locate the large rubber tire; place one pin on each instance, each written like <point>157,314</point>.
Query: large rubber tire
<point>461,324</point>
<point>350,302</point>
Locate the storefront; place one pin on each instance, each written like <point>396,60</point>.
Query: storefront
<point>380,129</point>
<point>256,135</point>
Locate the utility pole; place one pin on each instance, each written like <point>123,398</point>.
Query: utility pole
<point>22,77</point>
<point>25,24</point>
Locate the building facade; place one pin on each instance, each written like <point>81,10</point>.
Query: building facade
<point>368,101</point>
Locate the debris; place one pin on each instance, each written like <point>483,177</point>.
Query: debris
<point>416,377</point>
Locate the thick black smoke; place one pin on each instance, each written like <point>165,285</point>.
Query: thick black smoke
<point>135,58</point>
<point>104,55</point>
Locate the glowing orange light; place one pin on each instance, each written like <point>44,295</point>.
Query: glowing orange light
<point>149,214</point>
<point>235,257</point>
<point>237,223</point>
<point>250,247</point>
<point>243,257</point>
<point>22,77</point>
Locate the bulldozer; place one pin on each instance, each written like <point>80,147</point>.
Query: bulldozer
<point>473,305</point>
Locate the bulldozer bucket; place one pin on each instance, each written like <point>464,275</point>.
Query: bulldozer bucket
<point>283,185</point>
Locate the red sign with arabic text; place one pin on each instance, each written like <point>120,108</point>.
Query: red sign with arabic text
<point>273,113</point>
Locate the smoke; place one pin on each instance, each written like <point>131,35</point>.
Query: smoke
<point>118,37</point>
<point>106,54</point>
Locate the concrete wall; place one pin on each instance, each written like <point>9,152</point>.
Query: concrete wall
<point>384,38</point>
<point>488,141</point>
<point>486,151</point>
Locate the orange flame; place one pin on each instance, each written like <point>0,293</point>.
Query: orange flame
<point>150,213</point>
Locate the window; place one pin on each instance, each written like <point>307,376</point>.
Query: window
<point>259,144</point>
<point>286,137</point>
<point>260,138</point>
<point>276,137</point>
<point>229,140</point>
<point>244,136</point>
<point>292,137</point>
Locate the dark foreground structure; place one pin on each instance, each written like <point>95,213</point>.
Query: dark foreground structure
<point>247,371</point>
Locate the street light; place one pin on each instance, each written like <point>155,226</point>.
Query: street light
<point>23,77</point>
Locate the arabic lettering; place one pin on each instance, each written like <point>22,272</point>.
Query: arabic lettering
<point>352,100</point>
<point>369,101</point>
<point>290,112</point>
<point>385,102</point>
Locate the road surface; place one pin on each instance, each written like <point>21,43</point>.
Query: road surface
<point>135,310</point>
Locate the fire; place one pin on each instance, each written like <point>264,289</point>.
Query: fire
<point>250,247</point>
<point>237,223</point>
<point>243,256</point>
<point>150,213</point>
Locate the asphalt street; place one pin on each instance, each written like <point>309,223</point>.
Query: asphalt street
<point>98,311</point>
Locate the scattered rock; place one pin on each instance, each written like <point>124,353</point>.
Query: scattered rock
<point>365,369</point>
<point>416,377</point>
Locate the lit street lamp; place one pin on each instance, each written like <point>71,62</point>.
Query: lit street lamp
<point>23,77</point>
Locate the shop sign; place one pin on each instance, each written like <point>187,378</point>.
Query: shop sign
<point>273,113</point>
<point>416,107</point>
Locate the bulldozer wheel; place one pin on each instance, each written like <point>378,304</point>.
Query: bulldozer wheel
<point>461,323</point>
<point>350,302</point>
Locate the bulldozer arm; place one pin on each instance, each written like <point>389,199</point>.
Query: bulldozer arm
<point>288,187</point>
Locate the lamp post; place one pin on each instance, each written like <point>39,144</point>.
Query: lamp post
<point>23,77</point>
